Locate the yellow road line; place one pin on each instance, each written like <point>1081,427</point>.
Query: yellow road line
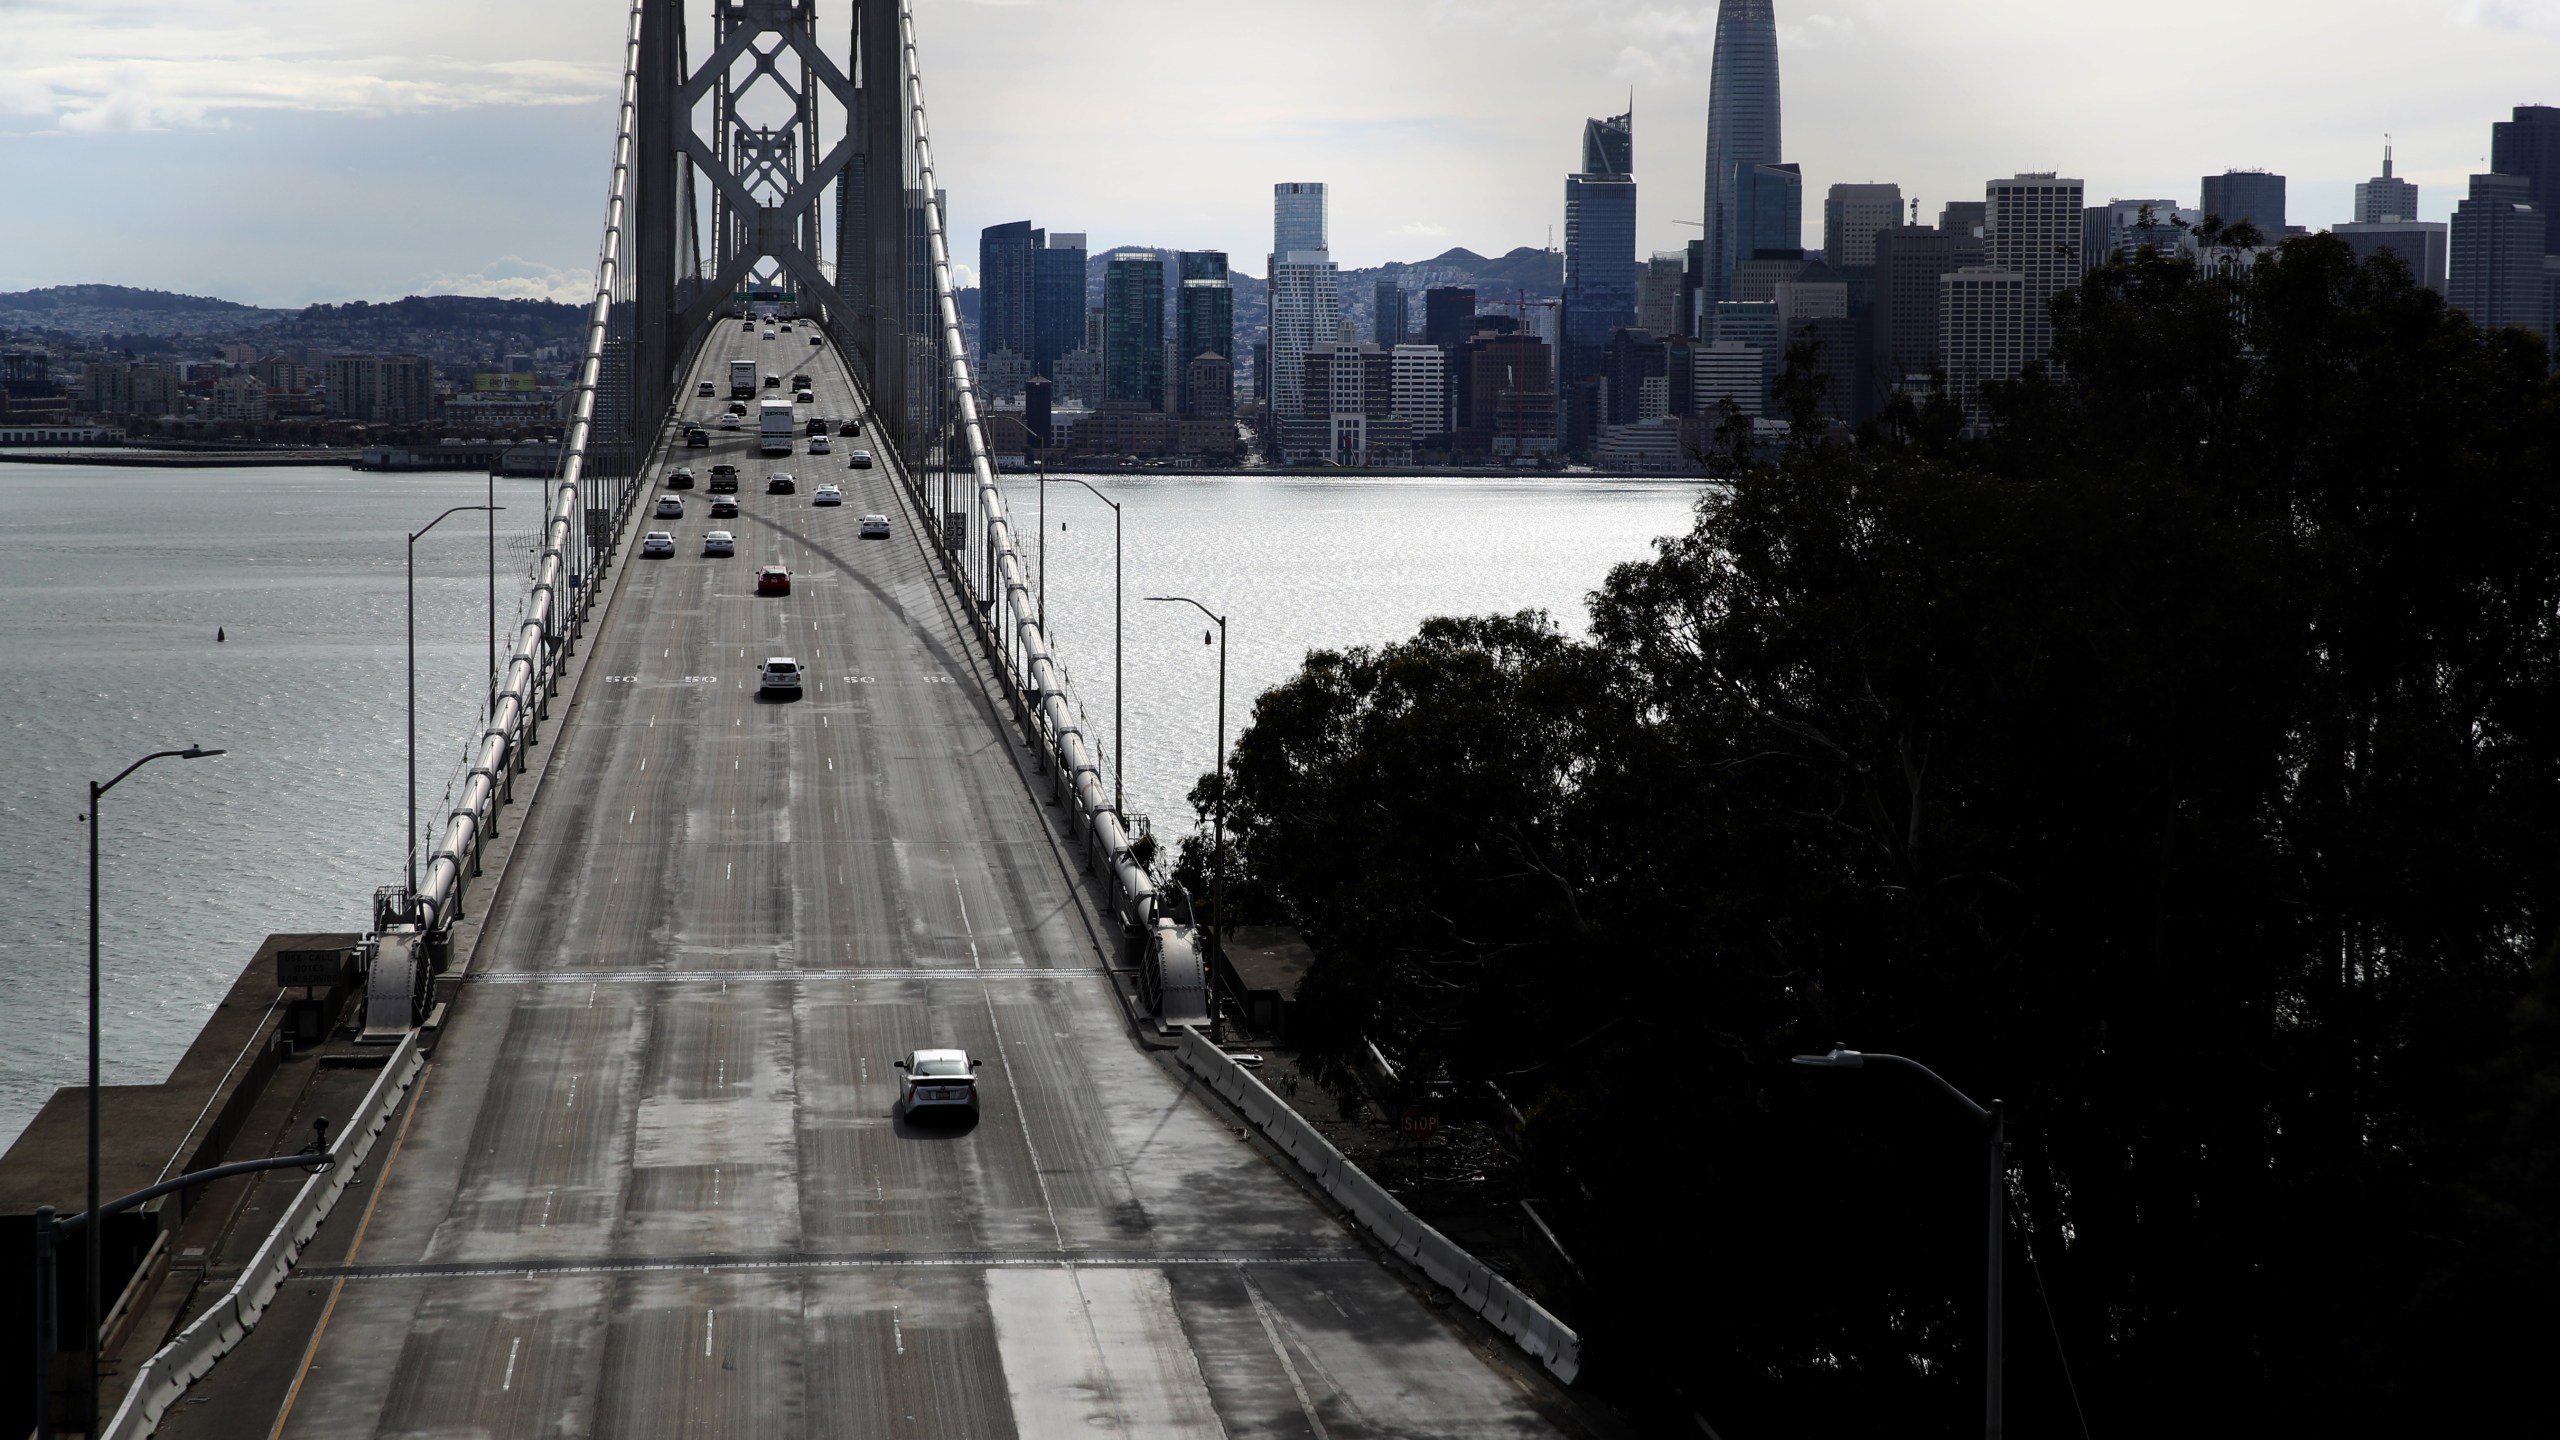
<point>381,1183</point>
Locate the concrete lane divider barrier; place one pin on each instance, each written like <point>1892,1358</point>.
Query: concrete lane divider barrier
<point>225,1323</point>
<point>1476,1285</point>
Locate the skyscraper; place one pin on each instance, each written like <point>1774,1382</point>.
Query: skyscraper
<point>1133,331</point>
<point>1204,324</point>
<point>1599,245</point>
<point>1909,260</point>
<point>2529,145</point>
<point>1393,318</point>
<point>1851,216</point>
<point>1058,301</point>
<point>1742,124</point>
<point>2252,195</point>
<point>2031,228</point>
<point>1306,294</point>
<point>1298,220</point>
<point>2386,198</point>
<point>1007,289</point>
<point>1984,317</point>
<point>2498,238</point>
<point>1658,298</point>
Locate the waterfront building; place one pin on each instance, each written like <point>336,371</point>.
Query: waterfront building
<point>1984,330</point>
<point>1133,330</point>
<point>2031,228</point>
<point>239,397</point>
<point>1726,370</point>
<point>2256,196</point>
<point>2496,274</point>
<point>1851,216</point>
<point>1418,381</point>
<point>1004,374</point>
<point>1599,246</point>
<point>1298,218</point>
<point>1742,128</point>
<point>1511,396</point>
<point>1058,300</point>
<point>2123,227</point>
<point>1306,291</point>
<point>1909,260</point>
<point>2422,245</point>
<point>1391,320</point>
<point>1658,297</point>
<point>1205,324</point>
<point>1753,323</point>
<point>1078,377</point>
<point>1008,288</point>
<point>1347,414</point>
<point>2528,145</point>
<point>2386,198</point>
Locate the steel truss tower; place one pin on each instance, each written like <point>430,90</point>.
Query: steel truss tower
<point>771,129</point>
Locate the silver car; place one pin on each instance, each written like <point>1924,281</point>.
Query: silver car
<point>719,542</point>
<point>939,1083</point>
<point>657,545</point>
<point>670,508</point>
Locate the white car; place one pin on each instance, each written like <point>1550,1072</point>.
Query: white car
<point>818,445</point>
<point>703,390</point>
<point>719,542</point>
<point>875,527</point>
<point>728,422</point>
<point>670,508</point>
<point>781,675</point>
<point>939,1083</point>
<point>657,544</point>
<point>826,495</point>
<point>768,334</point>
<point>860,459</point>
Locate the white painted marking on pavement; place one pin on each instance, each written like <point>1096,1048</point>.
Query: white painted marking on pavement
<point>710,1320</point>
<point>1097,1351</point>
<point>1271,1329</point>
<point>513,1346</point>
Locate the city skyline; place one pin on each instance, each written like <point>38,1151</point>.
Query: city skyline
<point>142,106</point>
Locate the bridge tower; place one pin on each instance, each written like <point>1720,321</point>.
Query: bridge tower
<point>769,164</point>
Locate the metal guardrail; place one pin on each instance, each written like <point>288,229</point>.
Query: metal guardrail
<point>1000,579</point>
<point>164,1378</point>
<point>563,588</point>
<point>1477,1286</point>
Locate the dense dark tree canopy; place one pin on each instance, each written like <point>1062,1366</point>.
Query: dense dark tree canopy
<point>2180,763</point>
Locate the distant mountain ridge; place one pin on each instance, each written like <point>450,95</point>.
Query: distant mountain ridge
<point>127,314</point>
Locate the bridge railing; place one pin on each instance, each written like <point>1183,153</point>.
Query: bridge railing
<point>987,564</point>
<point>598,463</point>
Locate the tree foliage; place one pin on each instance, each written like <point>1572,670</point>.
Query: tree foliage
<point>2178,763</point>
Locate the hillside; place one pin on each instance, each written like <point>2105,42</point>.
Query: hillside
<point>87,310</point>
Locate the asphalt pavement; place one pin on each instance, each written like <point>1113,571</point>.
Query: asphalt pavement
<point>655,1182</point>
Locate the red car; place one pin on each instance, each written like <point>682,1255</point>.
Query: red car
<point>773,580</point>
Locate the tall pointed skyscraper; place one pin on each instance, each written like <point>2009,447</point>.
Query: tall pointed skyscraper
<point>1742,126</point>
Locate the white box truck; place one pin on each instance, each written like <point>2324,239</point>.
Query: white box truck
<point>777,427</point>
<point>742,379</point>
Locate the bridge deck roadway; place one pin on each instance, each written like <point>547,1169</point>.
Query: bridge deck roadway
<point>653,1183</point>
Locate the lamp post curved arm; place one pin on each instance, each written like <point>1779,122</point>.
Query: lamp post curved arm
<point>1119,629</point>
<point>96,793</point>
<point>1995,1124</point>
<point>410,880</point>
<point>1218,876</point>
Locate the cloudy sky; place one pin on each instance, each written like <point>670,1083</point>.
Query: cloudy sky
<point>286,151</point>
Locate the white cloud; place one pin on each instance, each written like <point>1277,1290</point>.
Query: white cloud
<point>139,65</point>
<point>2510,14</point>
<point>511,277</point>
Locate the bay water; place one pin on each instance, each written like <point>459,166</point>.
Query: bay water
<point>115,581</point>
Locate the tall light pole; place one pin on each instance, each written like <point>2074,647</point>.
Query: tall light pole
<point>1218,876</point>
<point>1119,624</point>
<point>412,896</point>
<point>94,1311</point>
<point>1995,1127</point>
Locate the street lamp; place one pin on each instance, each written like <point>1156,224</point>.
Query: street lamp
<point>1217,877</point>
<point>96,793</point>
<point>1119,623</point>
<point>413,684</point>
<point>1995,1128</point>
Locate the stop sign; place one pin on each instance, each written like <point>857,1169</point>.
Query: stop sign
<point>1418,1123</point>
